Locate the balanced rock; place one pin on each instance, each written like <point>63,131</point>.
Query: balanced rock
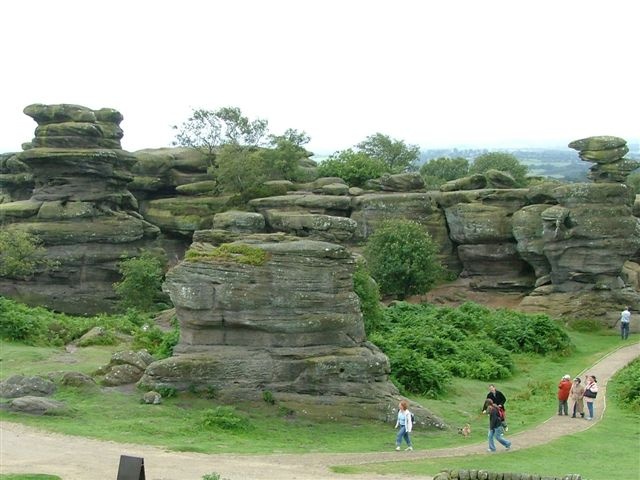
<point>607,153</point>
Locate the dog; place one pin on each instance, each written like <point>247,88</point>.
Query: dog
<point>465,431</point>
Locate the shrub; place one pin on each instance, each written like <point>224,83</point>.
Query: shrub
<point>141,282</point>
<point>355,168</point>
<point>157,342</point>
<point>231,252</point>
<point>224,418</point>
<point>268,397</point>
<point>627,386</point>
<point>369,294</point>
<point>402,258</point>
<point>21,254</point>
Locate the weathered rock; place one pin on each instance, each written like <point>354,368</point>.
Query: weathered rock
<point>37,406</point>
<point>152,398</point>
<point>370,210</point>
<point>498,179</point>
<point>326,228</point>
<point>163,170</point>
<point>16,180</point>
<point>400,182</point>
<point>205,187</point>
<point>472,182</point>
<point>78,379</point>
<point>20,386</point>
<point>631,274</point>
<point>323,204</point>
<point>290,324</point>
<point>335,189</point>
<point>183,215</point>
<point>602,142</point>
<point>239,222</point>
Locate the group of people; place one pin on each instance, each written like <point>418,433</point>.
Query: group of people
<point>494,407</point>
<point>579,395</point>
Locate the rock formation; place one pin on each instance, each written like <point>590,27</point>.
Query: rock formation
<point>79,207</point>
<point>275,314</point>
<point>607,153</point>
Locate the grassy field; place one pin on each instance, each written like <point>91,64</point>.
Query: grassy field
<point>181,423</point>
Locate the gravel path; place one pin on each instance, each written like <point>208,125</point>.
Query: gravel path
<point>29,450</point>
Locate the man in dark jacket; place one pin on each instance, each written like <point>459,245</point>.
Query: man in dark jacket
<point>496,397</point>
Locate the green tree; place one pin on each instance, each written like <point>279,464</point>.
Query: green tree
<point>402,258</point>
<point>141,284</point>
<point>504,162</point>
<point>21,254</point>
<point>369,294</point>
<point>355,168</point>
<point>397,155</point>
<point>206,130</point>
<point>446,168</point>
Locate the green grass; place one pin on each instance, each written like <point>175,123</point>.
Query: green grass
<point>609,450</point>
<point>178,423</point>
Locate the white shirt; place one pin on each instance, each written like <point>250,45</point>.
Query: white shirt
<point>625,316</point>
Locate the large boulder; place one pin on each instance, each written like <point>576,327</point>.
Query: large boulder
<point>277,316</point>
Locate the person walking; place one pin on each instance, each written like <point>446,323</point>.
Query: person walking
<point>405,423</point>
<point>590,393</point>
<point>496,397</point>
<point>625,320</point>
<point>576,394</point>
<point>496,430</point>
<point>564,389</point>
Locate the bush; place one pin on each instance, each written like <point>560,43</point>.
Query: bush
<point>464,342</point>
<point>355,168</point>
<point>224,418</point>
<point>157,342</point>
<point>369,294</point>
<point>402,258</point>
<point>21,254</point>
<point>627,386</point>
<point>141,282</point>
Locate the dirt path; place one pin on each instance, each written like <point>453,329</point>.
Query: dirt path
<point>28,450</point>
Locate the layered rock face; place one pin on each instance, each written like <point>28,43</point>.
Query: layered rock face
<point>290,325</point>
<point>79,207</point>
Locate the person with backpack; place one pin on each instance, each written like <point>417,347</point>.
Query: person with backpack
<point>496,429</point>
<point>405,422</point>
<point>590,393</point>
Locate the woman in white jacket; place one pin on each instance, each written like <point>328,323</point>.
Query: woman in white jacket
<point>405,424</point>
<point>590,393</point>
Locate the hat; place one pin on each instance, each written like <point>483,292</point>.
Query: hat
<point>566,377</point>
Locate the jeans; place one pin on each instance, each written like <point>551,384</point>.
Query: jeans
<point>590,408</point>
<point>624,330</point>
<point>497,434</point>
<point>402,433</point>
<point>563,407</point>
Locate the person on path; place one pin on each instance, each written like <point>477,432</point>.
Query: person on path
<point>625,320</point>
<point>406,425</point>
<point>496,397</point>
<point>576,394</point>
<point>564,389</point>
<point>590,393</point>
<point>496,430</point>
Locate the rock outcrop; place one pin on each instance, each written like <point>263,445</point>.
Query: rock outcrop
<point>79,207</point>
<point>607,153</point>
<point>279,315</point>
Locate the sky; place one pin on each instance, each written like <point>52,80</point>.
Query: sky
<point>438,74</point>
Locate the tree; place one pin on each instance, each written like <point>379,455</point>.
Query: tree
<point>504,162</point>
<point>396,154</point>
<point>21,254</point>
<point>355,168</point>
<point>633,181</point>
<point>446,168</point>
<point>141,284</point>
<point>402,258</point>
<point>206,130</point>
